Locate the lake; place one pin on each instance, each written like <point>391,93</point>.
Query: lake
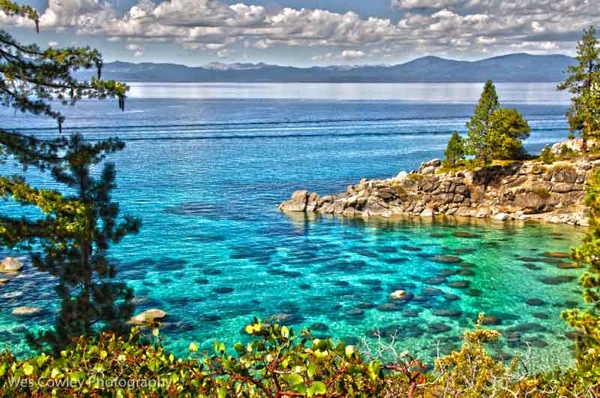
<point>207,164</point>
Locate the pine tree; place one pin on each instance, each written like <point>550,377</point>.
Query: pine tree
<point>587,321</point>
<point>547,156</point>
<point>455,151</point>
<point>583,81</point>
<point>478,126</point>
<point>507,129</point>
<point>72,238</point>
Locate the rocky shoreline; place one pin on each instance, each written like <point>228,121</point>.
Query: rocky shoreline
<point>528,190</point>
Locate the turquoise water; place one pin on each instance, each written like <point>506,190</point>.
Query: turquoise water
<point>206,172</point>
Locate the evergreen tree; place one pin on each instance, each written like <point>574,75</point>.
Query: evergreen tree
<point>507,129</point>
<point>455,151</point>
<point>587,321</point>
<point>547,156</point>
<point>583,81</point>
<point>79,224</point>
<point>478,127</point>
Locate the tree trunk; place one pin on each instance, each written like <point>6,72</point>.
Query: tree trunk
<point>584,138</point>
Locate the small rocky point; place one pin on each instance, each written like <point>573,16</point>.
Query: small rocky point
<point>528,190</point>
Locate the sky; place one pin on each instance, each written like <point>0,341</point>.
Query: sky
<point>308,32</point>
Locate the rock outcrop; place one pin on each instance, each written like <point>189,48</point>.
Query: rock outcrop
<point>529,190</point>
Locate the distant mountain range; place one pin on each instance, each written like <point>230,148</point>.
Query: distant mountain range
<point>507,68</point>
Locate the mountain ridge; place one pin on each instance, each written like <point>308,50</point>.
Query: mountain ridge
<point>518,67</point>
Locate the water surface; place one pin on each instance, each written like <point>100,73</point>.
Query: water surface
<point>206,165</point>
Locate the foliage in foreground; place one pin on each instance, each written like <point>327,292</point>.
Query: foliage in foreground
<point>276,363</point>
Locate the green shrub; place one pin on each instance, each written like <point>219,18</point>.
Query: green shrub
<point>547,156</point>
<point>567,153</point>
<point>541,192</point>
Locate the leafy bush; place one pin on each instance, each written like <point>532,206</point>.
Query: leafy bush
<point>567,153</point>
<point>547,156</point>
<point>278,363</point>
<point>275,364</point>
<point>541,192</point>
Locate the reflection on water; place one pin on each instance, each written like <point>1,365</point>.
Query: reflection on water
<point>513,93</point>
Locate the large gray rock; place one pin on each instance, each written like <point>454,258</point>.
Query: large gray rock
<point>297,204</point>
<point>10,264</point>
<point>529,190</point>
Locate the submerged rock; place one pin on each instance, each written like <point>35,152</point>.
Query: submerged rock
<point>459,284</point>
<point>411,248</point>
<point>466,235</point>
<point>354,312</point>
<point>572,265</point>
<point>558,280</point>
<point>26,311</point>
<point>436,280</point>
<point>535,302</point>
<point>474,292</point>
<point>319,327</point>
<point>557,254</point>
<point>446,259</point>
<point>448,313</point>
<point>451,297</point>
<point>223,290</point>
<point>437,328</point>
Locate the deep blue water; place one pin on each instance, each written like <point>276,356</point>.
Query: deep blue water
<point>206,166</point>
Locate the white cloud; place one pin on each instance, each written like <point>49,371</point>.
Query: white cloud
<point>441,27</point>
<point>137,49</point>
<point>409,4</point>
<point>53,43</point>
<point>353,54</point>
<point>537,46</point>
<point>344,55</point>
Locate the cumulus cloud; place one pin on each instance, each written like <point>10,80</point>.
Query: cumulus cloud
<point>536,46</point>
<point>352,54</point>
<point>137,49</point>
<point>346,55</point>
<point>408,4</point>
<point>444,27</point>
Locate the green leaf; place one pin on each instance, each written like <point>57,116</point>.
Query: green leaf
<point>222,391</point>
<point>293,379</point>
<point>239,347</point>
<point>28,369</point>
<point>312,369</point>
<point>317,388</point>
